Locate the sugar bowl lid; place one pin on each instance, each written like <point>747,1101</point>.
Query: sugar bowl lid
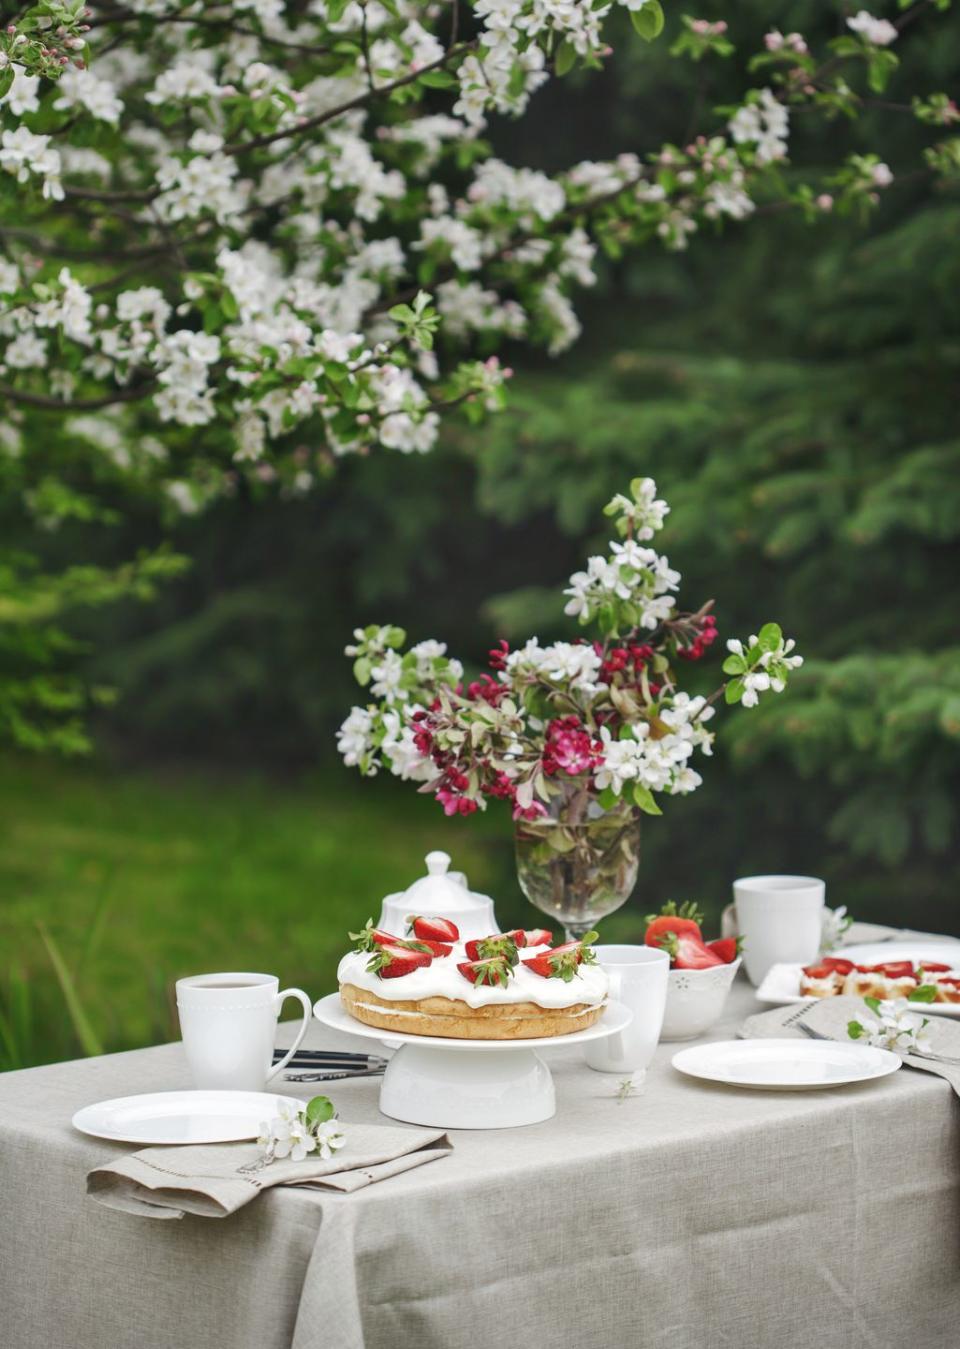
<point>441,893</point>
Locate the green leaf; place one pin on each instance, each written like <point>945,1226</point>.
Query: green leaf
<point>734,691</point>
<point>873,1004</point>
<point>438,79</point>
<point>770,637</point>
<point>362,671</point>
<point>734,665</point>
<point>925,993</point>
<point>565,60</point>
<point>6,80</point>
<point>855,1030</point>
<point>608,798</point>
<point>648,22</point>
<point>319,1110</point>
<point>643,798</point>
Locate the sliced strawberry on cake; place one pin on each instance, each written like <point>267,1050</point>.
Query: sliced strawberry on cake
<point>822,980</point>
<point>837,964</point>
<point>435,948</point>
<point>433,929</point>
<point>494,971</point>
<point>563,962</point>
<point>501,944</point>
<point>371,937</point>
<point>392,962</point>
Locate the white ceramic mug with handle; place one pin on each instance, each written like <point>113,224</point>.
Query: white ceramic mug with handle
<point>229,1022</point>
<point>780,919</point>
<point>638,979</point>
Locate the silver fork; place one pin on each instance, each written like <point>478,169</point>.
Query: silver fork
<point>334,1076</point>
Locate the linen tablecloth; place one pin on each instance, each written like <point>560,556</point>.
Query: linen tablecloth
<point>690,1216</point>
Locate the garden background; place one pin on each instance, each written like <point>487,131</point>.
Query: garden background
<point>793,391</point>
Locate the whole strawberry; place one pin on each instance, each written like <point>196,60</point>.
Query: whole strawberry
<point>685,919</point>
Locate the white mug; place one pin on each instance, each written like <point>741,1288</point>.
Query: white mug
<point>780,919</point>
<point>229,1022</point>
<point>638,979</point>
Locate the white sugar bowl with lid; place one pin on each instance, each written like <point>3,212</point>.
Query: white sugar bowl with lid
<point>442,893</point>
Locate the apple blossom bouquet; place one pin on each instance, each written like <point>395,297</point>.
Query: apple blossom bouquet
<point>580,737</point>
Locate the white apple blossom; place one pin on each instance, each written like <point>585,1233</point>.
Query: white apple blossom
<point>84,89</point>
<point>285,207</point>
<point>22,95</point>
<point>880,32</point>
<point>22,154</point>
<point>765,122</point>
<point>354,738</point>
<point>400,751</point>
<point>632,573</point>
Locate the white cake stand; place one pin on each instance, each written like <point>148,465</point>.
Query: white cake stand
<point>467,1084</point>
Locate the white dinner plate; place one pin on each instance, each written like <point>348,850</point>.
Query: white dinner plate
<point>785,1065</point>
<point>181,1116</point>
<point>782,983</point>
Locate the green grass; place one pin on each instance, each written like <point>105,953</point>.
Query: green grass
<point>114,883</point>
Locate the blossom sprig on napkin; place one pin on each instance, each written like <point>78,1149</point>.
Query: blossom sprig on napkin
<point>294,1134</point>
<point>893,1026</point>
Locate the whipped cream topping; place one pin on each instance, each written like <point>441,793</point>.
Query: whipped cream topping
<point>442,979</point>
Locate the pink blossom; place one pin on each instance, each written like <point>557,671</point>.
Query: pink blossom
<point>535,811</point>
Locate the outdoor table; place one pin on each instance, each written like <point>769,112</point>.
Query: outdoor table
<point>688,1215</point>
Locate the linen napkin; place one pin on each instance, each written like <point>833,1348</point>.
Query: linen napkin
<point>828,1017</point>
<point>210,1180</point>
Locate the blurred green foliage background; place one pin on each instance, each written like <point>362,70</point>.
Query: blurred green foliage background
<point>793,390</point>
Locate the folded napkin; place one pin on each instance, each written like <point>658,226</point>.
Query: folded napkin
<point>211,1181</point>
<point>828,1018</point>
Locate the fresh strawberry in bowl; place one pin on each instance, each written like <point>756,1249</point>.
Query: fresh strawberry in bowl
<point>701,972</point>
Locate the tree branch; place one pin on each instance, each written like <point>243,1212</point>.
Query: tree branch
<point>48,404</point>
<point>311,123</point>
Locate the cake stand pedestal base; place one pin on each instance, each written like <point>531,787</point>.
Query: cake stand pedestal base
<point>450,1089</point>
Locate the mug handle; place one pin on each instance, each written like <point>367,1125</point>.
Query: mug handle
<point>307,1006</point>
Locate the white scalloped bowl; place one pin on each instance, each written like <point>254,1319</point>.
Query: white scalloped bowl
<point>695,1000</point>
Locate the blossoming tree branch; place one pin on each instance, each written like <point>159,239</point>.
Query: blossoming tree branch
<point>606,716</point>
<point>279,226</point>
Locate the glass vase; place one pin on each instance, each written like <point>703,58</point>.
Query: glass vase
<point>579,863</point>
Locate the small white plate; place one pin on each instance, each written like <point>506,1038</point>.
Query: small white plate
<point>181,1116</point>
<point>782,983</point>
<point>785,1065</point>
